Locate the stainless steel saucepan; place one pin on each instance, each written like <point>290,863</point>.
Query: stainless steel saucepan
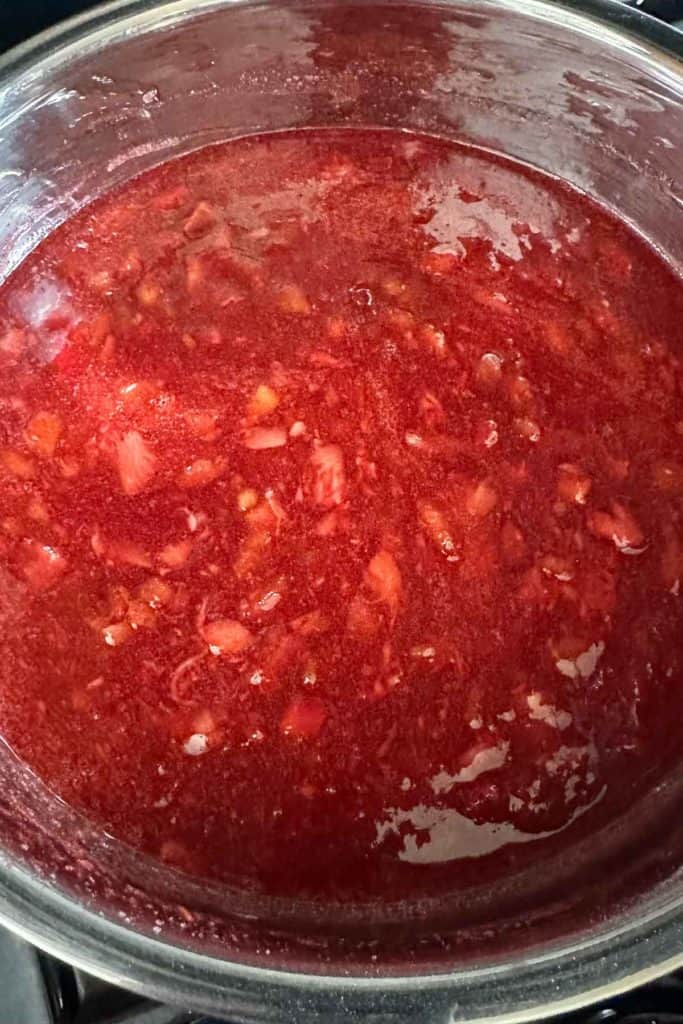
<point>589,91</point>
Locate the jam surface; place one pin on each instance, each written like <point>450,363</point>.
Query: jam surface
<point>341,483</point>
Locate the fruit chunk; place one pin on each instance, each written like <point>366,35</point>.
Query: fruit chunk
<point>43,433</point>
<point>175,555</point>
<point>263,401</point>
<point>329,478</point>
<point>383,578</point>
<point>117,633</point>
<point>17,464</point>
<point>619,526</point>
<point>136,462</point>
<point>227,636</point>
<point>481,500</point>
<point>199,473</point>
<point>435,524</point>
<point>200,221</point>
<point>262,438</point>
<point>304,718</point>
<point>573,484</point>
<point>293,300</point>
<point>41,564</point>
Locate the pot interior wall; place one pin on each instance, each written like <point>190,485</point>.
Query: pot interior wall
<point>547,87</point>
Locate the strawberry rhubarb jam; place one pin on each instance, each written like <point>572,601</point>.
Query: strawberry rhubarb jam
<point>341,493</point>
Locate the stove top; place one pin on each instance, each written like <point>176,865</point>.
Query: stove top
<point>38,989</point>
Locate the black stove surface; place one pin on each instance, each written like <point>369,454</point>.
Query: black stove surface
<point>38,989</point>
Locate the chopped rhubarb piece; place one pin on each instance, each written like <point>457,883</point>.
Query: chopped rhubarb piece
<point>261,438</point>
<point>127,552</point>
<point>136,462</point>
<point>329,479</point>
<point>304,718</point>
<point>311,624</point>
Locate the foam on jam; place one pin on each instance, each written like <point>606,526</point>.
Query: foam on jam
<point>340,513</point>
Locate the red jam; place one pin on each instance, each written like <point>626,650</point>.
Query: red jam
<point>341,493</point>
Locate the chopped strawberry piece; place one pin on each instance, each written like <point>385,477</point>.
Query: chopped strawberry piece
<point>619,526</point>
<point>117,633</point>
<point>41,564</point>
<point>512,543</point>
<point>263,401</point>
<point>13,343</point>
<point>329,478</point>
<point>363,618</point>
<point>573,484</point>
<point>202,219</point>
<point>141,615</point>
<point>383,578</point>
<point>434,340</point>
<point>435,524</point>
<point>17,464</point>
<point>304,718</point>
<point>136,462</point>
<point>127,552</point>
<point>175,555</point>
<point>293,300</point>
<point>668,476</point>
<point>311,623</point>
<point>203,424</point>
<point>227,636</point>
<point>172,198</point>
<point>43,433</point>
<point>672,564</point>
<point>481,500</point>
<point>199,473</point>
<point>155,592</point>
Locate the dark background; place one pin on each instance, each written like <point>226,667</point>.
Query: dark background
<point>20,19</point>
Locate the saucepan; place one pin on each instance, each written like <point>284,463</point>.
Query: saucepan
<point>589,91</point>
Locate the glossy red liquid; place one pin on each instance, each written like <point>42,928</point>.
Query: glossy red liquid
<point>340,513</point>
